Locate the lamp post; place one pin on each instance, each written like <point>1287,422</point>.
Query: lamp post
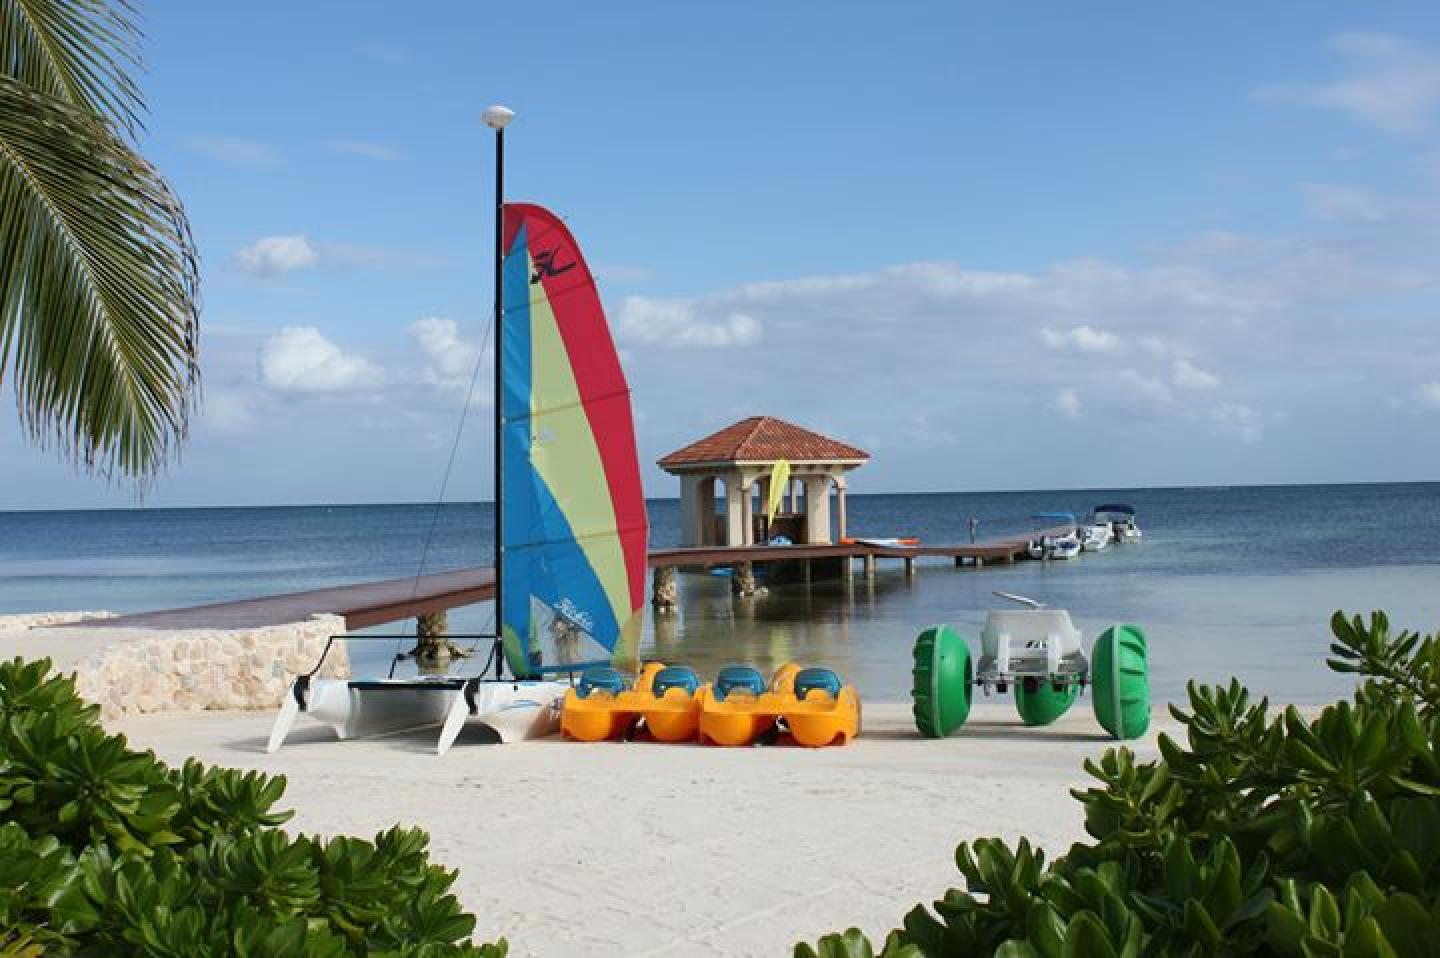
<point>498,117</point>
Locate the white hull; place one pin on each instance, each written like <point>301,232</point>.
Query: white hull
<point>1065,548</point>
<point>1097,537</point>
<point>514,710</point>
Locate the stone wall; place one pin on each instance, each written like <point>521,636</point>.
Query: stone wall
<point>143,670</point>
<point>39,620</point>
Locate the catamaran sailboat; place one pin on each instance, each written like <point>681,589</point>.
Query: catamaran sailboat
<point>571,525</point>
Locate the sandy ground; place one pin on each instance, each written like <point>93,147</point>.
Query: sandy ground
<point>647,849</point>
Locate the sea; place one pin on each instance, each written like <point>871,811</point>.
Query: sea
<point>1227,582</point>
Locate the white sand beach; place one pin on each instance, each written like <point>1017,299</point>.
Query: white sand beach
<point>646,849</point>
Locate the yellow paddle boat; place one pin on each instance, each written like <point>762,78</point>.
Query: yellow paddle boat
<point>811,704</point>
<point>737,708</point>
<point>605,706</point>
<point>670,710</point>
<point>820,711</point>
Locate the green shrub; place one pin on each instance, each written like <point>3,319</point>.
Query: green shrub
<point>1260,834</point>
<point>107,851</point>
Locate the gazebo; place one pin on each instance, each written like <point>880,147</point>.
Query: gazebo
<point>743,457</point>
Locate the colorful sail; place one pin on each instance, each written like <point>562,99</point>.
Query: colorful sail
<point>573,512</point>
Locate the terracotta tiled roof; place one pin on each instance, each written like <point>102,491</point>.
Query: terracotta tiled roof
<point>762,439</point>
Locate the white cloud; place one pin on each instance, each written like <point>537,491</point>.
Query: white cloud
<point>364,149</point>
<point>1145,387</point>
<point>1067,401</point>
<point>274,256</point>
<point>1385,81</point>
<point>277,255</point>
<point>921,430</point>
<point>300,359</point>
<point>1240,421</point>
<point>1187,375</point>
<point>684,323</point>
<point>1083,338</point>
<point>1340,203</point>
<point>234,151</point>
<point>229,410</point>
<point>451,360</point>
<point>1429,394</point>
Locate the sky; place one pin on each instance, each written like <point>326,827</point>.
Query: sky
<point>997,245</point>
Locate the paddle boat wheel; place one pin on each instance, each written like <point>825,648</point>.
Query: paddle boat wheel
<point>1039,654</point>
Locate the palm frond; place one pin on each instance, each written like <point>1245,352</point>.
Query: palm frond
<point>98,288</point>
<point>81,51</point>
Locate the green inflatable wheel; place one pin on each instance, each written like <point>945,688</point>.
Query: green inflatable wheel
<point>1040,703</point>
<point>942,676</point>
<point>1120,681</point>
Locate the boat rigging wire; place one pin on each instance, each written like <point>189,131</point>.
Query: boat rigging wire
<point>449,468</point>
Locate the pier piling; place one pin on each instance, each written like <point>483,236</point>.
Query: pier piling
<point>742,580</point>
<point>665,592</point>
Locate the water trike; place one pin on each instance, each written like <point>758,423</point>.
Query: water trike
<point>1038,652</point>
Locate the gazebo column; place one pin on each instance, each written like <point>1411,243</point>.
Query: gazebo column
<point>710,531</point>
<point>747,513</point>
<point>695,510</point>
<point>817,508</point>
<point>762,497</point>
<point>734,510</point>
<point>840,506</point>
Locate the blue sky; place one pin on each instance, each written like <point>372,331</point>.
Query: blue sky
<point>997,245</point>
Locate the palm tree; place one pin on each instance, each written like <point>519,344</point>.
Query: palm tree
<point>99,312</point>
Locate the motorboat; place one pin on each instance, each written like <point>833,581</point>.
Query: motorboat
<point>1065,545</point>
<point>1096,536</point>
<point>1121,520</point>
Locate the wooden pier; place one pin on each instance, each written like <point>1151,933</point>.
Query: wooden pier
<point>361,605</point>
<point>366,604</point>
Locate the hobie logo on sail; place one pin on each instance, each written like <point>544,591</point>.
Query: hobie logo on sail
<point>545,266</point>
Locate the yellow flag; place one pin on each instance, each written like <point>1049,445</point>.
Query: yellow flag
<point>779,479</point>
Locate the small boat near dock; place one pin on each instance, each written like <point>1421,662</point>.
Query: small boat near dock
<point>1121,520</point>
<point>1064,546</point>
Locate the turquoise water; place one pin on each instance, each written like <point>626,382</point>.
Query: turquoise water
<point>1234,581</point>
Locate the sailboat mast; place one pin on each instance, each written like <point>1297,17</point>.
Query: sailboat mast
<point>496,117</point>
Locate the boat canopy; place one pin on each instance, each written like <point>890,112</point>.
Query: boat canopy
<point>1061,516</point>
<point>575,529</point>
<point>1117,508</point>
